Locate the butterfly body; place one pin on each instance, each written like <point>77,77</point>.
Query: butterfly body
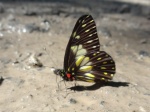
<point>83,59</point>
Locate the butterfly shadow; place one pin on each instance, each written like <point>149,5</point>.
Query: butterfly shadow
<point>98,85</point>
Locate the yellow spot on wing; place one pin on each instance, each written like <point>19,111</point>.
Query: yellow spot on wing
<point>84,25</point>
<point>91,21</point>
<point>89,41</point>
<point>94,54</point>
<point>103,67</point>
<point>104,62</point>
<point>89,75</point>
<point>112,75</point>
<point>74,49</point>
<point>89,80</point>
<point>105,73</point>
<point>89,63</point>
<point>87,16</point>
<point>77,37</point>
<point>74,34</point>
<point>102,78</point>
<point>79,60</point>
<point>80,76</point>
<point>80,47</point>
<point>99,58</point>
<point>81,52</point>
<point>85,60</point>
<point>94,46</point>
<point>86,68</point>
<point>90,35</point>
<point>87,30</point>
<point>113,68</point>
<point>69,69</point>
<point>72,69</point>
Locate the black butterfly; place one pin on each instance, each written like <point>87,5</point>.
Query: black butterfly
<point>83,59</point>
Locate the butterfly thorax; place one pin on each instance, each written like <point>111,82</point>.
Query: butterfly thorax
<point>66,76</point>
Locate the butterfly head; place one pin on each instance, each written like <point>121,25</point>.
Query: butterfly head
<point>61,72</point>
<point>56,71</point>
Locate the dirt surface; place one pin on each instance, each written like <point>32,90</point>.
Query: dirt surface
<point>26,29</point>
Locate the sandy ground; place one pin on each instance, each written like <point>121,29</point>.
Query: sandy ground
<point>26,29</point>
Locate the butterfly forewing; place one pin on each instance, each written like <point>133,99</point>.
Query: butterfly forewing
<point>83,58</point>
<point>83,40</point>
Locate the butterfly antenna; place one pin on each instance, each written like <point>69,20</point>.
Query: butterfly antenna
<point>50,56</point>
<point>52,69</point>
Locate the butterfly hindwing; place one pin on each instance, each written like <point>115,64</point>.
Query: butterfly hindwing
<point>99,67</point>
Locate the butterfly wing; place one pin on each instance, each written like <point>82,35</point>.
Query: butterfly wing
<point>96,66</point>
<point>83,40</point>
<point>83,58</point>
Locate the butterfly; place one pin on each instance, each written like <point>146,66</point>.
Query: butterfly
<point>83,60</point>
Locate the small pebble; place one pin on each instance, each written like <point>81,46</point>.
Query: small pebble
<point>72,101</point>
<point>34,61</point>
<point>143,41</point>
<point>45,26</point>
<point>143,53</point>
<point>102,102</point>
<point>29,28</point>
